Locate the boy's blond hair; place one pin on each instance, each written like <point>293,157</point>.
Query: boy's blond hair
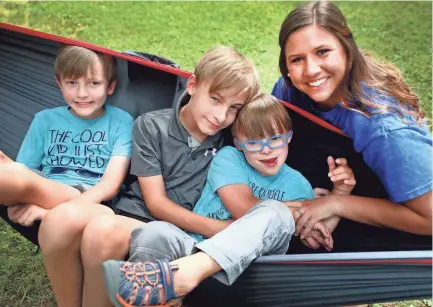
<point>74,62</point>
<point>225,68</point>
<point>264,116</point>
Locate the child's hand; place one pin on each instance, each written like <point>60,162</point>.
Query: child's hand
<point>26,215</point>
<point>341,175</point>
<point>215,226</point>
<point>315,239</point>
<point>322,235</point>
<point>319,192</point>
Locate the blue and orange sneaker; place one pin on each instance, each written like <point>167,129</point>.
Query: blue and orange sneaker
<point>141,284</point>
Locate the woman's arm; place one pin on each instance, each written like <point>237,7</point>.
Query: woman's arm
<point>414,216</point>
<point>402,159</point>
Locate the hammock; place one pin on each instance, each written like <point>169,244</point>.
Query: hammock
<point>382,265</point>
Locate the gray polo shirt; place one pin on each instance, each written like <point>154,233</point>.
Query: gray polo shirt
<point>162,146</point>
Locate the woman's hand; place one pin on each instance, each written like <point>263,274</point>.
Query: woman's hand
<point>315,239</point>
<point>314,211</point>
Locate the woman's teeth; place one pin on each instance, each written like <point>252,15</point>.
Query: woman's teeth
<point>318,82</point>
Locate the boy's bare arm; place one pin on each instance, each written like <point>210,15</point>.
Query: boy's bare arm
<point>110,182</point>
<point>238,198</point>
<point>161,207</point>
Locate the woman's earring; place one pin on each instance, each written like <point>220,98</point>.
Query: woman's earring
<point>288,75</point>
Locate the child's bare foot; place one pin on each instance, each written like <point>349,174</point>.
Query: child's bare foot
<point>4,159</point>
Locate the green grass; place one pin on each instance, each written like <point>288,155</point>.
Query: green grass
<point>23,281</point>
<point>399,32</point>
<point>183,31</point>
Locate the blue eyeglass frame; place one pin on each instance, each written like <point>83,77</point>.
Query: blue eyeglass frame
<point>265,143</point>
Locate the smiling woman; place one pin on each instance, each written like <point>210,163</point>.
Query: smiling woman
<point>316,63</point>
<point>324,72</point>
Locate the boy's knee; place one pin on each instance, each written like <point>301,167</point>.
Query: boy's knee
<point>152,234</point>
<point>277,211</point>
<point>102,240</point>
<point>61,228</point>
<point>157,240</point>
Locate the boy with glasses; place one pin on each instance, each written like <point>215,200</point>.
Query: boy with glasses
<point>251,186</point>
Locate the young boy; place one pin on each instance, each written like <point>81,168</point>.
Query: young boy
<point>237,181</point>
<point>77,154</point>
<point>80,151</point>
<point>172,150</point>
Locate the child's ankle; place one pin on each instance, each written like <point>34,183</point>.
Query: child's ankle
<point>192,270</point>
<point>184,282</point>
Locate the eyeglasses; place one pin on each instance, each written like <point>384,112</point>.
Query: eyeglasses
<point>80,171</point>
<point>273,142</point>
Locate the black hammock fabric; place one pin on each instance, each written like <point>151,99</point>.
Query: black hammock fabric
<point>368,264</point>
<point>323,280</point>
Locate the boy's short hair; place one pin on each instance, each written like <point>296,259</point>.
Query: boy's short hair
<point>74,62</point>
<point>225,68</point>
<point>262,117</point>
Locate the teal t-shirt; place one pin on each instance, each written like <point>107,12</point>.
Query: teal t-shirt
<point>229,167</point>
<point>73,150</point>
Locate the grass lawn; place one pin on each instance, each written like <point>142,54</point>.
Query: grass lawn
<point>400,32</point>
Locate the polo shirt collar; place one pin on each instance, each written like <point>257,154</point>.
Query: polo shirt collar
<point>213,141</point>
<point>175,128</point>
<point>178,131</point>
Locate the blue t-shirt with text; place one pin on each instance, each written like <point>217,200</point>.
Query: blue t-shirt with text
<point>230,167</point>
<point>73,150</point>
<point>398,151</point>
